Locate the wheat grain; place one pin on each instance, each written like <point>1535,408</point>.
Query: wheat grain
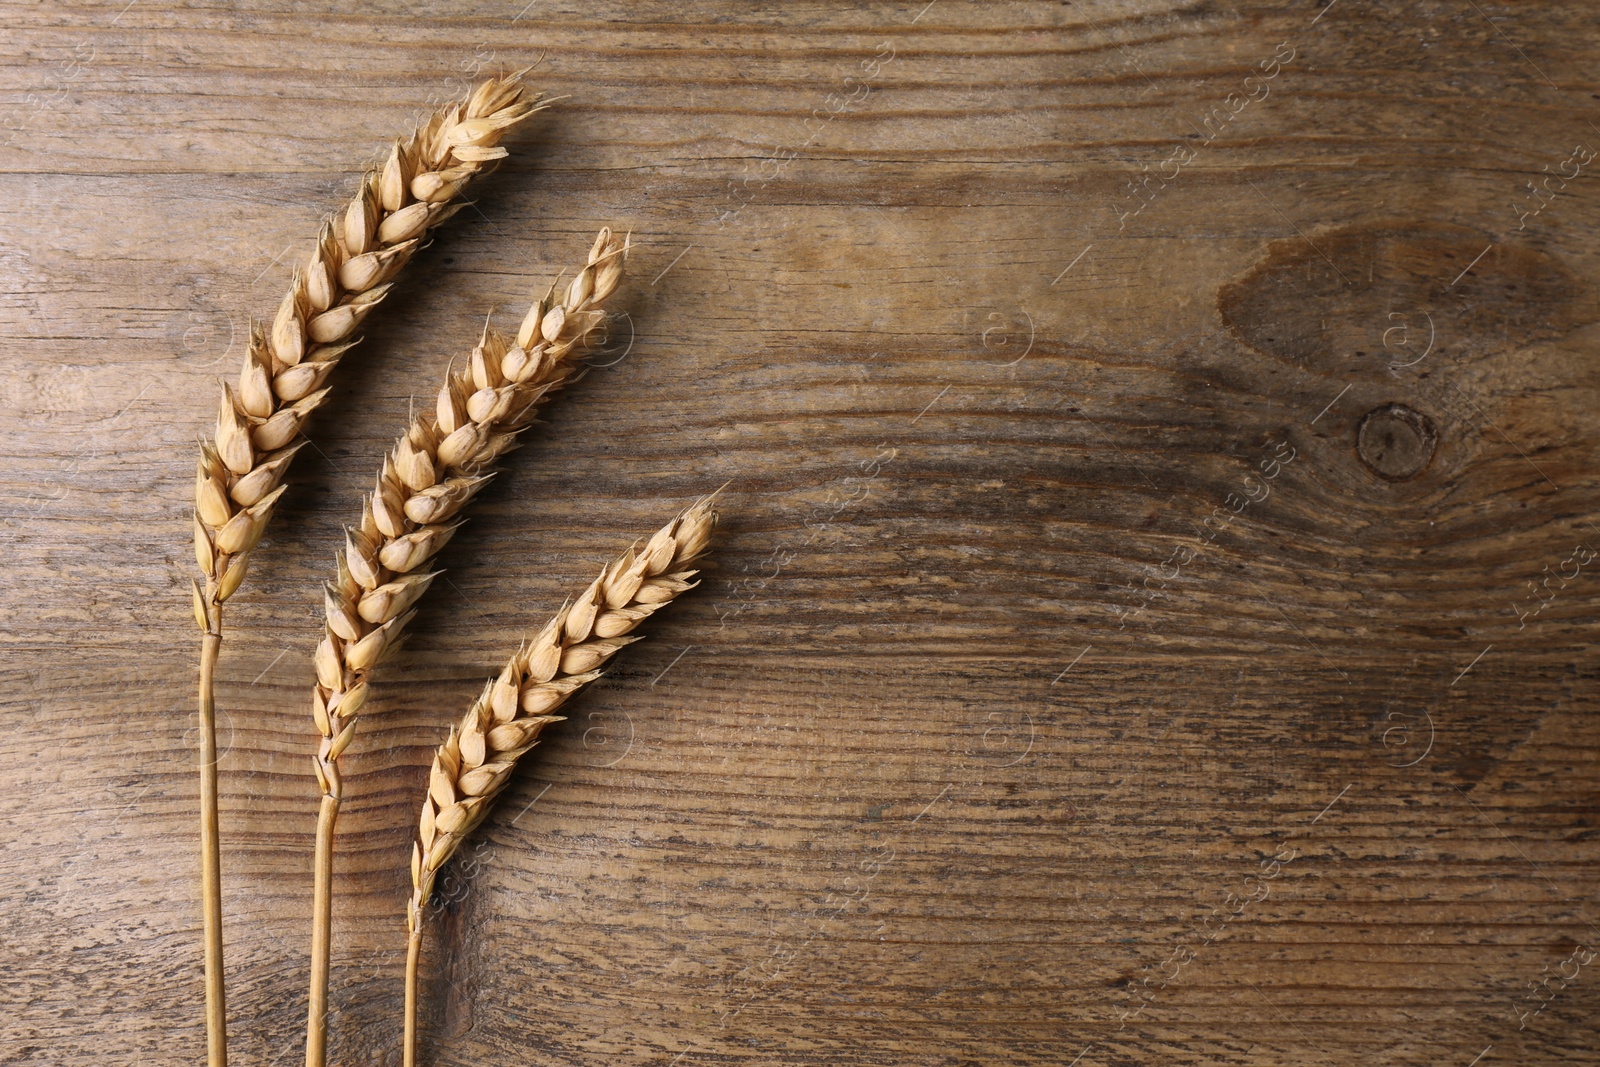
<point>475,764</point>
<point>434,469</point>
<point>286,366</point>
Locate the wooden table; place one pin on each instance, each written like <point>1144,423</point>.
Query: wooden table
<point>1151,620</point>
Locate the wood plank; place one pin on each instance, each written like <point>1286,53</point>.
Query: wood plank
<point>1128,484</point>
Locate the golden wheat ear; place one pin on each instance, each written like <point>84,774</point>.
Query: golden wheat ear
<point>357,255</point>
<point>475,764</point>
<point>444,458</point>
<point>355,259</point>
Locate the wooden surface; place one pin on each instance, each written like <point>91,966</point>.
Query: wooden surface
<point>1088,545</point>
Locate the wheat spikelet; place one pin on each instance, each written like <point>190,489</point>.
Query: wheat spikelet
<point>474,765</point>
<point>434,469</point>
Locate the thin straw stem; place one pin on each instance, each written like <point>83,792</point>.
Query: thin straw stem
<point>211,849</point>
<point>413,953</point>
<point>321,932</point>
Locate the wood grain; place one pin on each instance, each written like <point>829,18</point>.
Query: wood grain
<point>1055,596</point>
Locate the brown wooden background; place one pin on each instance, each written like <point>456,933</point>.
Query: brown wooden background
<point>977,744</point>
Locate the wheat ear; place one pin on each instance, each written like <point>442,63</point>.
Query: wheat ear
<point>241,470</point>
<point>472,768</point>
<point>434,469</point>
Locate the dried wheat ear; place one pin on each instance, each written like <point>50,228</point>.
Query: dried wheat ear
<point>241,470</point>
<point>475,764</point>
<point>350,271</point>
<point>442,461</point>
<point>436,467</point>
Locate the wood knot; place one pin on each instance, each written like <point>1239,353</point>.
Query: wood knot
<point>1399,296</point>
<point>1396,442</point>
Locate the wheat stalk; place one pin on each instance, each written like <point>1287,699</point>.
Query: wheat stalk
<point>357,254</point>
<point>434,469</point>
<point>475,764</point>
